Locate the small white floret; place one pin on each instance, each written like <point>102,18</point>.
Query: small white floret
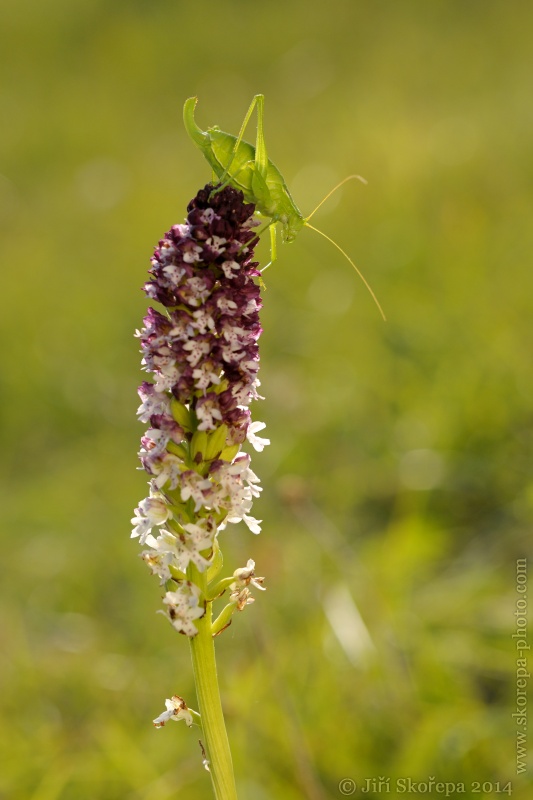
<point>256,441</point>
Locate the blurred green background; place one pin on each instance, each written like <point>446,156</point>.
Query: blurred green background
<point>398,490</point>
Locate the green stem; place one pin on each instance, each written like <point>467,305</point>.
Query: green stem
<point>210,707</point>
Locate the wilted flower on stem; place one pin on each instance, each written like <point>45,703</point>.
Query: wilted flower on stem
<point>176,710</point>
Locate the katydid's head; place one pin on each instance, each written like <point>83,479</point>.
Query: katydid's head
<point>291,225</point>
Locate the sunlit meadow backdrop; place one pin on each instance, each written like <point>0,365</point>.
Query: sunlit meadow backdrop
<point>398,490</point>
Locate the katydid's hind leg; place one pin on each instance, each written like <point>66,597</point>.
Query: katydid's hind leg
<point>259,165</point>
<point>260,190</point>
<point>259,101</point>
<point>241,132</point>
<point>261,158</point>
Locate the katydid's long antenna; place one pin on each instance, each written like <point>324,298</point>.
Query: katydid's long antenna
<point>347,257</point>
<point>338,186</point>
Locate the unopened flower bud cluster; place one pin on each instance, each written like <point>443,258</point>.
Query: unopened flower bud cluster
<point>203,357</point>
